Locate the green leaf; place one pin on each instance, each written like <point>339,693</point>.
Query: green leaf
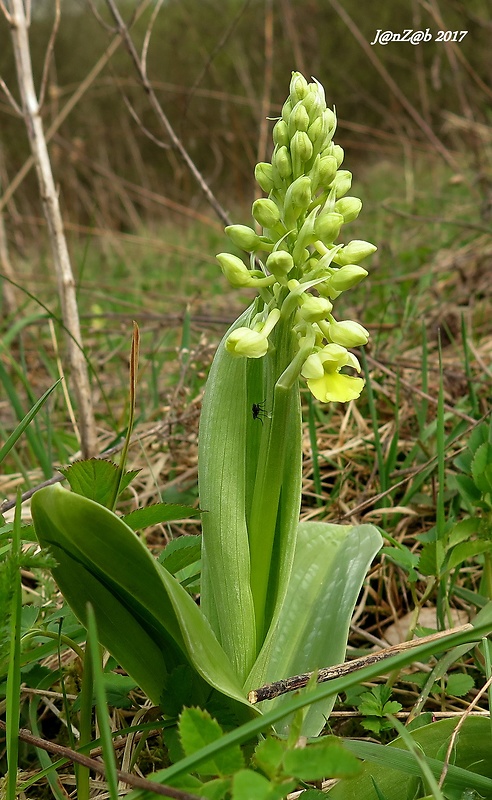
<point>466,550</point>
<point>197,729</point>
<point>247,784</point>
<point>215,789</point>
<point>180,553</point>
<point>96,479</point>
<point>329,568</point>
<point>482,460</point>
<point>317,761</point>
<point>401,556</point>
<point>158,513</point>
<point>269,754</point>
<point>468,489</point>
<point>463,531</point>
<point>458,684</point>
<point>145,618</point>
<point>394,769</point>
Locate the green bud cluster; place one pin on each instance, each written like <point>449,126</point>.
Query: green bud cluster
<point>301,220</point>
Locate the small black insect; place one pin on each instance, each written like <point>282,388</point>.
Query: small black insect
<point>259,412</point>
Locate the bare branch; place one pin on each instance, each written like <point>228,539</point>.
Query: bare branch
<point>5,12</point>
<point>91,763</point>
<point>13,102</point>
<point>157,108</point>
<point>134,115</point>
<point>218,47</point>
<point>49,53</point>
<point>148,34</point>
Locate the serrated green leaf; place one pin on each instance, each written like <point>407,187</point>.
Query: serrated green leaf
<point>269,754</point>
<point>197,729</point>
<point>311,632</point>
<point>96,479</point>
<point>145,618</point>
<point>478,436</point>
<point>459,683</point>
<point>180,553</point>
<point>157,514</point>
<point>314,762</point>
<point>480,464</point>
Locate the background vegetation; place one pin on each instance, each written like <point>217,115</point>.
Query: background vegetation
<point>415,125</point>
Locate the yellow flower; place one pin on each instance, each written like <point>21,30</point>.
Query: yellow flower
<point>324,379</point>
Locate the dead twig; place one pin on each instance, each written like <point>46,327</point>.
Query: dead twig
<point>271,690</point>
<point>97,766</point>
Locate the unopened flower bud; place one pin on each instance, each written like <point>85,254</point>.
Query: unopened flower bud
<point>244,237</point>
<point>266,212</point>
<point>298,87</point>
<point>243,342</point>
<point>299,192</point>
<point>347,277</point>
<point>349,208</point>
<point>316,130</point>
<point>348,333</point>
<point>337,151</point>
<point>235,270</point>
<point>314,103</point>
<point>327,226</point>
<point>301,146</point>
<point>342,182</point>
<point>282,161</point>
<point>298,120</point>
<point>354,252</point>
<point>264,176</point>
<point>280,133</point>
<point>286,111</point>
<point>314,309</point>
<point>327,170</point>
<point>280,263</point>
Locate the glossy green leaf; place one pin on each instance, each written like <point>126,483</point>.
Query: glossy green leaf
<point>393,768</point>
<point>330,565</point>
<point>145,617</point>
<point>226,597</point>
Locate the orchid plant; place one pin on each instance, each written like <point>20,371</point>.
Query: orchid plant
<point>276,595</point>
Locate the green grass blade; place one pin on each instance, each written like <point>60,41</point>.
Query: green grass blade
<point>101,705</point>
<point>24,422</point>
<point>14,673</point>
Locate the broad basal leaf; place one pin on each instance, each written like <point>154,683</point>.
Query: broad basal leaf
<point>145,618</point>
<point>330,565</point>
